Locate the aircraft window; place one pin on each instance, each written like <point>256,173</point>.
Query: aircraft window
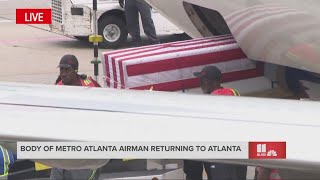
<point>208,22</point>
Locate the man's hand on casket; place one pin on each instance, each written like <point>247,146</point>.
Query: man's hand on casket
<point>121,3</point>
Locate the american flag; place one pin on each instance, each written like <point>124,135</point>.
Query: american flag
<point>170,67</point>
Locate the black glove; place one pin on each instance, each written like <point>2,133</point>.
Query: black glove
<point>121,3</point>
<point>58,79</point>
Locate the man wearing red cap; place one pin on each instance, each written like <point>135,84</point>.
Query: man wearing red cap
<point>210,78</point>
<point>69,66</point>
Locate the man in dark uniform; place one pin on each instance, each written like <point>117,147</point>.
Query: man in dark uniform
<point>132,8</point>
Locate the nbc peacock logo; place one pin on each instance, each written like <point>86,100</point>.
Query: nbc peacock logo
<point>272,153</point>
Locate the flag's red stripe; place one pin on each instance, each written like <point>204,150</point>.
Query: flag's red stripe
<point>194,82</point>
<point>185,62</point>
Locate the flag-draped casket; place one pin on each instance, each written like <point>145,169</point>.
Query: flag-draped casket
<point>170,67</point>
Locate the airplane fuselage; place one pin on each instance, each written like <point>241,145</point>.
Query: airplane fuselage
<point>283,32</point>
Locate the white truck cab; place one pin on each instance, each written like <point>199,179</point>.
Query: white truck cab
<point>74,18</point>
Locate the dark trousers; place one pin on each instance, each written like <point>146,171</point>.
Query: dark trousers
<point>77,174</point>
<point>194,169</point>
<point>132,9</point>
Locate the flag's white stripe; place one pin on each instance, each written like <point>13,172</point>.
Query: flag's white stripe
<point>130,51</point>
<point>111,72</point>
<point>184,53</point>
<point>175,48</point>
<point>104,69</point>
<point>178,43</point>
<point>185,73</point>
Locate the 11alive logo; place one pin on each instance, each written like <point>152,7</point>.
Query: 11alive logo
<point>33,16</point>
<point>267,150</point>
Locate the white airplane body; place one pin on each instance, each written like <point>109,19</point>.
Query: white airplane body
<point>284,32</point>
<point>57,113</point>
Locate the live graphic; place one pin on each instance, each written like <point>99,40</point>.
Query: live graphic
<point>33,16</point>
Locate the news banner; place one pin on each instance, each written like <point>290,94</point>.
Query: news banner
<point>151,150</point>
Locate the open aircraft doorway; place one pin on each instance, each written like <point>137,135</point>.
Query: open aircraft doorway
<point>208,22</point>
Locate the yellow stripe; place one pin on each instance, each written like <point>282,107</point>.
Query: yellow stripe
<point>4,175</point>
<point>127,159</point>
<point>87,81</point>
<point>8,162</point>
<point>40,167</point>
<point>235,92</point>
<point>5,171</point>
<point>92,175</point>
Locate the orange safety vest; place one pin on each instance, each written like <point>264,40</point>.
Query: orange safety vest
<point>84,82</point>
<point>226,92</point>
